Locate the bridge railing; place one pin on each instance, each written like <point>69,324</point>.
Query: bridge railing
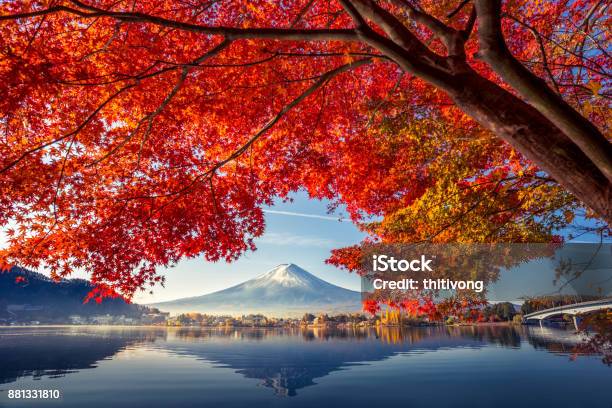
<point>602,302</point>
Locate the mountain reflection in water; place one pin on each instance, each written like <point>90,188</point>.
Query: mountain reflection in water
<point>309,354</point>
<point>281,359</point>
<point>285,361</point>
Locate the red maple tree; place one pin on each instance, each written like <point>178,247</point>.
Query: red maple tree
<point>136,133</point>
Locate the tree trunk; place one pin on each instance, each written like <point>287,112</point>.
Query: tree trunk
<point>538,139</point>
<point>494,51</point>
<point>580,163</point>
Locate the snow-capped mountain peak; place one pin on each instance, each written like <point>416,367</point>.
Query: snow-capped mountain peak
<point>287,275</point>
<point>282,291</point>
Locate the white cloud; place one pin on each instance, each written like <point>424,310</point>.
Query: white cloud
<point>296,214</point>
<point>282,238</point>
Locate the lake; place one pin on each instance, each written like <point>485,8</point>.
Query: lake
<point>486,366</point>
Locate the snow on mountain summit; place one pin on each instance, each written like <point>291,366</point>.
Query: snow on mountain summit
<point>288,275</point>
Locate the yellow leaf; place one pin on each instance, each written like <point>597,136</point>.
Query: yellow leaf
<point>594,86</point>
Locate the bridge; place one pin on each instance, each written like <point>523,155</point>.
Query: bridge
<point>574,310</point>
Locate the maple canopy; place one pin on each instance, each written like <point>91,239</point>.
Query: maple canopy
<point>136,133</point>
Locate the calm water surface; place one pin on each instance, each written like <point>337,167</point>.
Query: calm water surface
<point>420,367</point>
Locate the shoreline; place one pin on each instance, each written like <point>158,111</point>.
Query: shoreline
<point>341,327</point>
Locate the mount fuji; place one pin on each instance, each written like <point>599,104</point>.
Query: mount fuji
<point>284,291</point>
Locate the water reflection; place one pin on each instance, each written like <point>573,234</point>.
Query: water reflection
<point>288,360</point>
<point>282,360</point>
<point>56,352</point>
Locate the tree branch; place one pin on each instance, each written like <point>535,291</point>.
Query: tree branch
<point>458,9</point>
<point>469,26</point>
<point>355,15</point>
<point>403,46</point>
<point>228,32</point>
<point>310,90</point>
<point>323,79</point>
<point>149,117</point>
<point>302,13</point>
<point>452,39</point>
<point>394,28</point>
<point>67,135</point>
<point>494,51</point>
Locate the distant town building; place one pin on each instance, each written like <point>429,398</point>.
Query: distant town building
<point>77,319</point>
<point>102,319</point>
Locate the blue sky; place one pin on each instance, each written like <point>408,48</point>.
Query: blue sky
<point>300,232</point>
